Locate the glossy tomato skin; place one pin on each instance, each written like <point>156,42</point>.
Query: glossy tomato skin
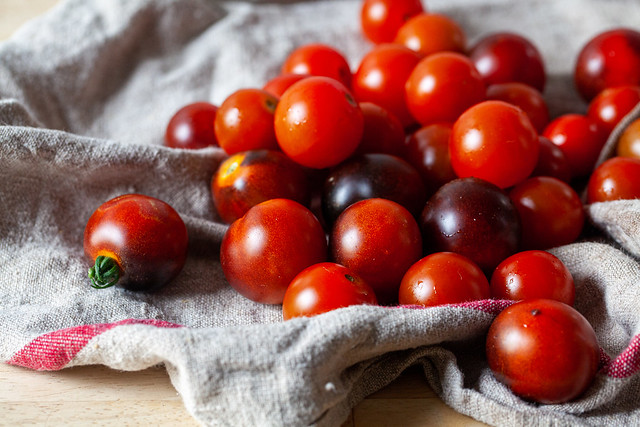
<point>248,178</point>
<point>610,59</point>
<point>280,83</point>
<point>494,141</point>
<point>507,57</point>
<point>324,287</point>
<point>610,106</point>
<point>383,132</point>
<point>550,210</point>
<point>526,97</point>
<point>474,218</point>
<point>378,240</point>
<point>429,33</point>
<point>551,161</point>
<point>381,76</point>
<point>245,121</point>
<point>317,59</point>
<point>441,87</point>
<point>192,127</point>
<point>533,274</point>
<point>145,236</point>
<point>265,249</point>
<point>318,123</point>
<point>543,350</point>
<point>616,179</point>
<point>381,19</point>
<point>443,278</point>
<point>629,142</point>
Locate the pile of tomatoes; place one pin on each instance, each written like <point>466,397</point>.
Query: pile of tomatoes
<point>432,174</point>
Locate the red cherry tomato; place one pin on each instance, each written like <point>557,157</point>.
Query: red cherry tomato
<point>629,142</point>
<point>381,19</point>
<point>192,127</point>
<point>443,278</point>
<point>550,210</point>
<point>378,240</point>
<point>324,287</point>
<point>528,98</point>
<point>318,123</point>
<point>611,105</point>
<point>551,161</point>
<point>610,59</point>
<point>245,121</point>
<point>279,84</point>
<point>508,57</point>
<point>381,76</point>
<point>441,87</point>
<point>429,33</point>
<point>137,241</point>
<point>265,249</point>
<point>530,275</point>
<point>318,59</point>
<point>543,350</point>
<point>383,132</point>
<point>251,177</point>
<point>616,179</point>
<point>580,139</point>
<point>494,141</point>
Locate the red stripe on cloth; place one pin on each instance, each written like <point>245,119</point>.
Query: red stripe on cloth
<point>627,363</point>
<point>53,351</point>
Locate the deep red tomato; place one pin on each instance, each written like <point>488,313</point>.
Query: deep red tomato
<point>381,19</point>
<point>318,59</point>
<point>280,83</point>
<point>192,127</point>
<point>324,287</point>
<point>443,278</point>
<point>507,57</point>
<point>494,141</point>
<point>265,249</point>
<point>616,179</point>
<point>441,87</point>
<point>137,241</point>
<point>318,123</point>
<point>610,59</point>
<point>245,121</point>
<point>551,161</point>
<point>611,105</point>
<point>580,139</point>
<point>629,142</point>
<point>381,76</point>
<point>378,240</point>
<point>383,131</point>
<point>528,98</point>
<point>550,210</point>
<point>245,179</point>
<point>543,350</point>
<point>533,274</point>
<point>429,33</point>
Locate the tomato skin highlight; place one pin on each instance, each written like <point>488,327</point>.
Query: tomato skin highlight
<point>145,236</point>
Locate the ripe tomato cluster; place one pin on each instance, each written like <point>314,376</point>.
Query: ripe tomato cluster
<point>430,174</point>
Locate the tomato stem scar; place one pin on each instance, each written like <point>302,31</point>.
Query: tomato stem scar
<point>105,272</point>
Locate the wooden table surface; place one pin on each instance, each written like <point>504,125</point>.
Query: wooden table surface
<point>98,395</point>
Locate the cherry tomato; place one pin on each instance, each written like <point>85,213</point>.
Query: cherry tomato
<point>616,179</point>
<point>192,127</point>
<point>474,218</point>
<point>318,123</point>
<point>443,278</point>
<point>528,98</point>
<point>611,105</point>
<point>441,87</point>
<point>610,59</point>
<point>378,240</point>
<point>251,177</point>
<point>429,33</point>
<point>324,287</point>
<point>543,350</point>
<point>508,57</point>
<point>280,83</point>
<point>629,142</point>
<point>550,210</point>
<point>533,274</point>
<point>137,241</point>
<point>318,59</point>
<point>245,121</point>
<point>427,149</point>
<point>494,141</point>
<point>579,138</point>
<point>381,19</point>
<point>265,249</point>
<point>383,131</point>
<point>381,76</point>
<point>551,161</point>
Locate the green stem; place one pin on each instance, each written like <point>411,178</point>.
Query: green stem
<point>105,273</point>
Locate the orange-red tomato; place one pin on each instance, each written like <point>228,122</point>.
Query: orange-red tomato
<point>616,179</point>
<point>280,83</point>
<point>612,104</point>
<point>317,59</point>
<point>381,19</point>
<point>629,143</point>
<point>429,33</point>
<point>192,127</point>
<point>528,98</point>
